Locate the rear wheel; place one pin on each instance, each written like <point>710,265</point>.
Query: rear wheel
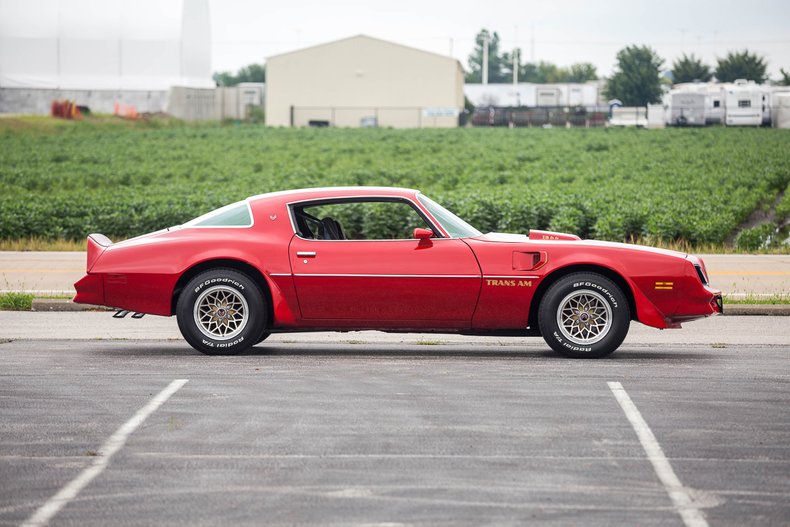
<point>584,315</point>
<point>221,312</point>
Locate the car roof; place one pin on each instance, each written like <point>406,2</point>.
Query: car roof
<point>334,192</point>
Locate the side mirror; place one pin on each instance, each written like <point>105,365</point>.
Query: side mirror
<point>423,234</point>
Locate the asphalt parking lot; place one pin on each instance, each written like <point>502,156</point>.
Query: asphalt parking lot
<point>373,429</point>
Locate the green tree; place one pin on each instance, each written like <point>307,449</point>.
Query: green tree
<point>548,72</point>
<point>742,65</point>
<point>582,72</point>
<point>528,73</point>
<point>542,72</point>
<point>251,73</point>
<point>497,63</point>
<point>689,68</point>
<point>785,80</point>
<point>635,80</point>
<point>500,65</point>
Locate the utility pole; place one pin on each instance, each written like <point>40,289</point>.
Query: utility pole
<point>485,58</point>
<point>515,66</point>
<point>515,57</point>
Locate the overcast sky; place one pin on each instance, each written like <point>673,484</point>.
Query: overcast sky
<point>563,31</point>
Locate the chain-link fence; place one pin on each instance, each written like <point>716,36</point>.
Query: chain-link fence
<point>539,117</point>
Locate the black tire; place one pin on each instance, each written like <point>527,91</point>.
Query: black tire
<point>584,315</point>
<point>238,307</point>
<point>263,337</point>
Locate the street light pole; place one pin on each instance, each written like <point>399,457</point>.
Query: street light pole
<point>485,58</point>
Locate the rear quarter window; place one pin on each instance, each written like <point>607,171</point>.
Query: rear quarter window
<point>234,215</point>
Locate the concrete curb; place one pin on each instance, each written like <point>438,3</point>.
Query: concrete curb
<point>757,309</point>
<point>61,304</point>
<point>729,309</point>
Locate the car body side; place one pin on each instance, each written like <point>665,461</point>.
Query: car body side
<point>505,281</point>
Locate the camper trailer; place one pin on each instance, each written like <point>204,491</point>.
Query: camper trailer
<point>715,101</point>
<point>687,108</point>
<point>745,104</point>
<point>713,104</point>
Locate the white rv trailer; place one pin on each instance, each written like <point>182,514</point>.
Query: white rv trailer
<point>715,102</point>
<point>527,94</point>
<point>687,108</point>
<point>714,99</point>
<point>745,102</point>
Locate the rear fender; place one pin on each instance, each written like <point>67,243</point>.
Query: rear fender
<point>281,310</point>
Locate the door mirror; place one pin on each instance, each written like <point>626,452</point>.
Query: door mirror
<point>423,234</point>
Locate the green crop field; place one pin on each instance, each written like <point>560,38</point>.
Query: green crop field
<point>63,180</point>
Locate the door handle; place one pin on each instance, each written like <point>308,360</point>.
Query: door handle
<point>305,254</point>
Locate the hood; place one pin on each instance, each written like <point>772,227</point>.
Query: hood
<point>562,238</point>
<point>534,235</point>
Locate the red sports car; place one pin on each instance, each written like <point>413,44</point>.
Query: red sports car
<point>389,259</point>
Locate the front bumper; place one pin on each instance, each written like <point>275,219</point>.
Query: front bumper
<point>718,303</point>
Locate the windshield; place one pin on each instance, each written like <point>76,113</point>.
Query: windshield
<point>455,226</point>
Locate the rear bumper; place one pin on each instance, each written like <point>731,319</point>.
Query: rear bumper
<point>90,290</point>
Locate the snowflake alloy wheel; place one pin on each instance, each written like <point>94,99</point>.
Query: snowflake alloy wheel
<point>221,313</point>
<point>584,317</point>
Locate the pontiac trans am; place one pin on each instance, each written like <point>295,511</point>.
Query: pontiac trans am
<point>388,259</point>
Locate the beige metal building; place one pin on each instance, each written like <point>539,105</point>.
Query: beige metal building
<point>363,81</point>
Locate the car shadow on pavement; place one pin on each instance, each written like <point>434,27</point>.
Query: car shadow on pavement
<point>404,351</point>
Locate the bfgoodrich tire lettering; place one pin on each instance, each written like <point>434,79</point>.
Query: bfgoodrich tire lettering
<point>584,315</point>
<point>221,312</point>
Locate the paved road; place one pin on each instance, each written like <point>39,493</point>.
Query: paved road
<point>374,429</point>
<point>57,271</point>
<point>751,330</point>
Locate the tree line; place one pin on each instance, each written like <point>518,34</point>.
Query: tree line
<point>637,76</point>
<point>636,79</point>
<point>501,65</point>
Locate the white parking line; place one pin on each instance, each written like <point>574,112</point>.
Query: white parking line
<point>685,506</point>
<point>116,441</point>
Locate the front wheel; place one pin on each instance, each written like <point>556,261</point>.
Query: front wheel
<point>221,312</point>
<point>584,315</point>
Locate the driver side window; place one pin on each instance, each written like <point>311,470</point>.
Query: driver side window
<point>358,220</point>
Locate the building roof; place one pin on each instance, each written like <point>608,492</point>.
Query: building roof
<point>365,37</point>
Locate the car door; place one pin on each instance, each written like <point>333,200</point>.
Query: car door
<point>385,282</point>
